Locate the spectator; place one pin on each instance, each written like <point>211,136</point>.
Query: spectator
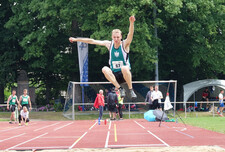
<point>11,105</point>
<point>148,97</point>
<point>112,101</point>
<point>24,116</point>
<point>120,105</point>
<point>100,103</point>
<point>205,97</point>
<point>221,102</point>
<point>156,98</point>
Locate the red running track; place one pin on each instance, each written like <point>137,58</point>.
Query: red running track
<point>115,134</point>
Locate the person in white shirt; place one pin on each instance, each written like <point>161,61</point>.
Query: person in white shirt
<point>221,102</point>
<point>24,116</point>
<point>156,98</point>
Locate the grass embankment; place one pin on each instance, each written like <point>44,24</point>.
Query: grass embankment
<point>200,119</point>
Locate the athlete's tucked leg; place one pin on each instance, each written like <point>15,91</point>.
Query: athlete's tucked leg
<point>110,76</point>
<point>128,78</point>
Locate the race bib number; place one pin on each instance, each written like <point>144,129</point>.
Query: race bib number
<point>13,100</point>
<point>117,64</point>
<point>25,99</point>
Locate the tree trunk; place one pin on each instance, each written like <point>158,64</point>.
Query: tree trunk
<point>1,94</point>
<point>47,93</point>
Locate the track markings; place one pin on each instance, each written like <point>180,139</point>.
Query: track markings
<point>12,137</point>
<point>63,126</point>
<point>93,125</point>
<point>27,141</point>
<point>107,140</point>
<point>18,127</point>
<point>115,133</point>
<point>152,134</point>
<point>184,134</point>
<point>47,126</point>
<point>139,145</point>
<point>40,148</point>
<point>77,140</point>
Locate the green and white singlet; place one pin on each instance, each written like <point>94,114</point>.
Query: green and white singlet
<point>12,101</point>
<point>25,99</point>
<point>118,57</point>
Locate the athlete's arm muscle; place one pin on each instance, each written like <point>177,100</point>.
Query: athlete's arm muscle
<point>105,43</point>
<point>130,34</point>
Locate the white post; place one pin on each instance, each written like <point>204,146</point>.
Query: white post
<point>175,98</point>
<point>73,111</point>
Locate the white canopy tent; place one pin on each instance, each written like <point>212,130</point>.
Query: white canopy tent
<point>192,87</point>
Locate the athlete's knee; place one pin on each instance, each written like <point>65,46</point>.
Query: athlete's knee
<point>125,69</point>
<point>105,69</point>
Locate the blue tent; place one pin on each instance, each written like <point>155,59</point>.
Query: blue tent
<point>149,115</point>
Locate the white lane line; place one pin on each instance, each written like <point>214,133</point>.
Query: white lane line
<point>12,137</point>
<point>107,140</point>
<point>50,147</point>
<point>63,126</point>
<point>93,125</point>
<point>154,135</point>
<point>110,125</point>
<point>16,127</point>
<point>60,137</point>
<point>139,145</point>
<point>185,134</point>
<point>139,125</point>
<point>47,126</point>
<point>27,141</point>
<point>77,140</point>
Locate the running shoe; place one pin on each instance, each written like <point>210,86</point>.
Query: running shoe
<point>11,122</point>
<point>122,92</point>
<point>132,94</point>
<point>19,124</point>
<point>26,124</point>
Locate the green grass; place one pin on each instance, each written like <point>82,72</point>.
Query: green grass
<point>200,119</point>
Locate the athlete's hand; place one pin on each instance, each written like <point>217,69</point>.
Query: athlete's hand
<point>7,107</point>
<point>132,19</point>
<point>72,39</point>
<point>30,108</point>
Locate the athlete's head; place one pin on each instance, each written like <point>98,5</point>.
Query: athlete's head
<point>151,88</point>
<point>116,35</point>
<point>13,92</point>
<point>221,91</point>
<point>25,91</point>
<point>25,109</point>
<point>156,88</point>
<point>101,92</point>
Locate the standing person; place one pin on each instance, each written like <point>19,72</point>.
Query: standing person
<point>120,105</point>
<point>221,103</point>
<point>156,98</point>
<point>148,97</point>
<point>11,105</point>
<point>119,71</point>
<point>100,103</point>
<point>24,116</point>
<point>25,99</point>
<point>205,97</point>
<point>112,101</point>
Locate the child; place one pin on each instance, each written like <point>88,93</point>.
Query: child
<point>25,99</point>
<point>24,116</point>
<point>100,103</point>
<point>11,105</point>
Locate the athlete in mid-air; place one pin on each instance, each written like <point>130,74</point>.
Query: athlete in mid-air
<point>119,71</point>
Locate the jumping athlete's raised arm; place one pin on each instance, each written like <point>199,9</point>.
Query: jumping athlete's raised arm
<point>129,38</point>
<point>105,43</point>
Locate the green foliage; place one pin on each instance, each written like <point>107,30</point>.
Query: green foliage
<point>35,35</point>
<point>58,107</point>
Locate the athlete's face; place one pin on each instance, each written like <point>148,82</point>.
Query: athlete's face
<point>24,92</point>
<point>14,92</point>
<point>116,37</point>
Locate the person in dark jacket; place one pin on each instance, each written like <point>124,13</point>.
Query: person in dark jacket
<point>112,102</point>
<point>148,98</point>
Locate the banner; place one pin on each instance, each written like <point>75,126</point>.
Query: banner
<point>83,61</point>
